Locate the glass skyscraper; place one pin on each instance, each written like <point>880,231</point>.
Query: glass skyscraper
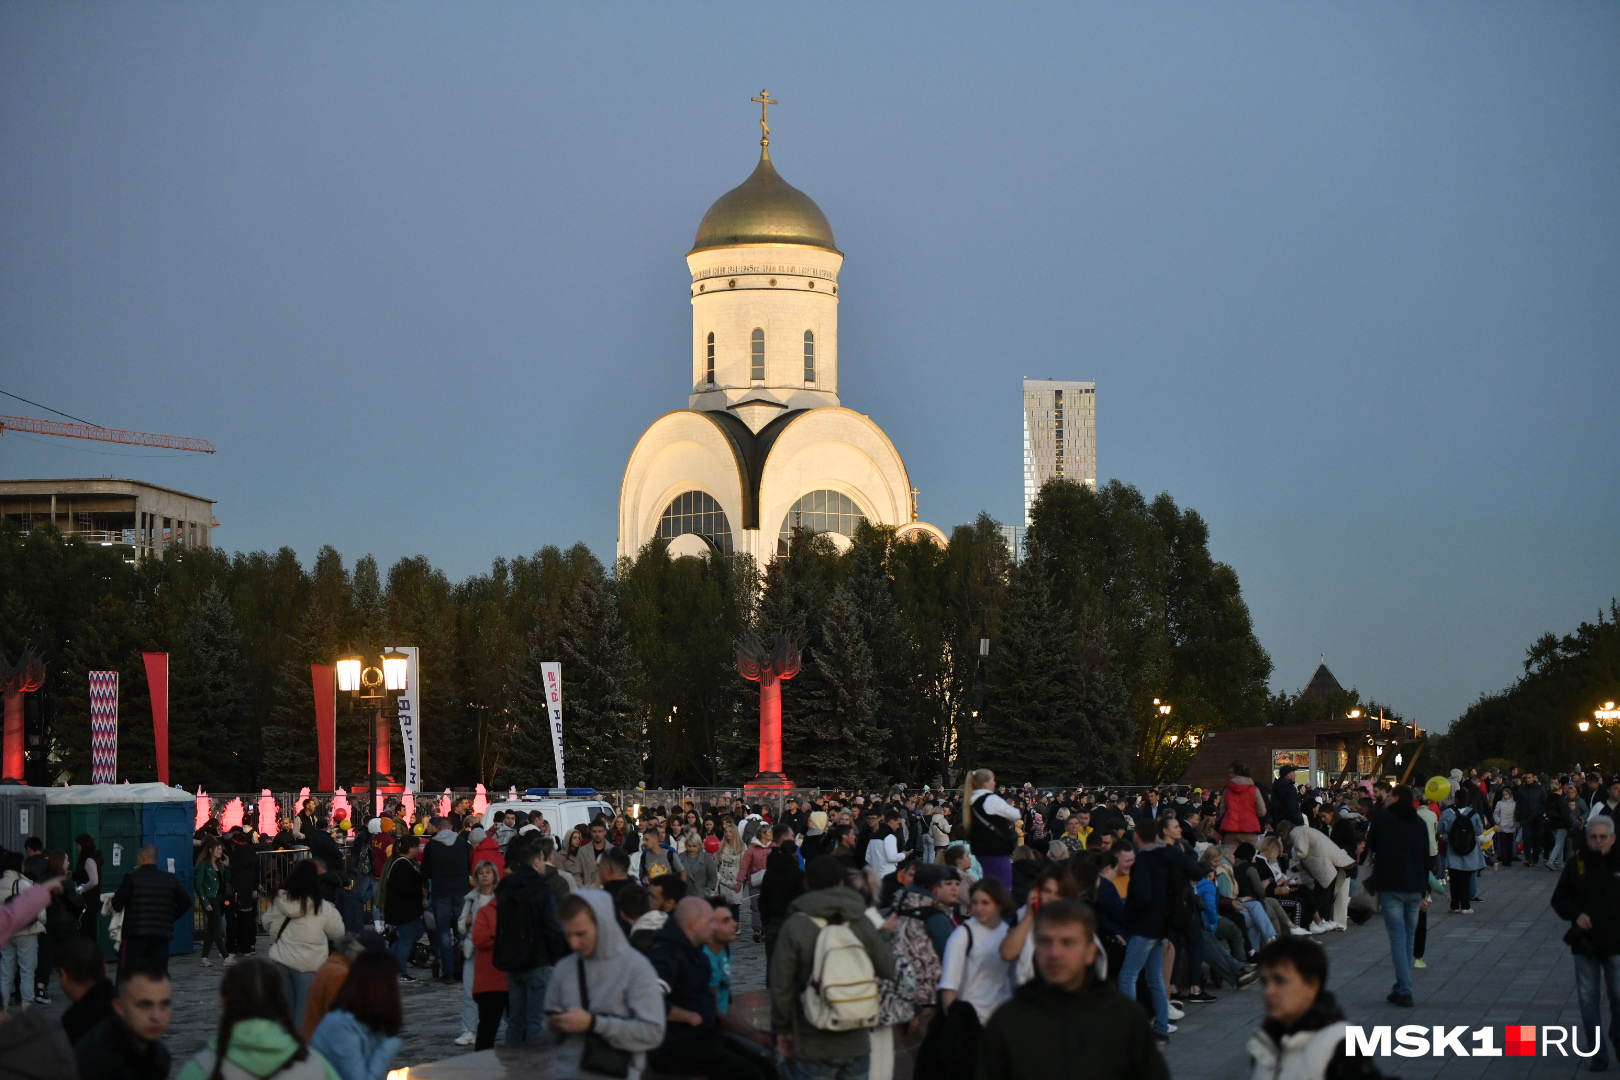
<point>1060,434</point>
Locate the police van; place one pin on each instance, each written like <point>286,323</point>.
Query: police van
<point>563,808</point>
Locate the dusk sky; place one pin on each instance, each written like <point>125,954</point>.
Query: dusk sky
<point>1347,276</point>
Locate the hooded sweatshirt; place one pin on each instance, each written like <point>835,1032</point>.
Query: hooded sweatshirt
<point>34,1047</point>
<point>258,1048</point>
<point>624,995</point>
<point>299,934</point>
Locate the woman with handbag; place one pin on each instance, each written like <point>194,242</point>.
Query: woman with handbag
<point>300,924</point>
<point>603,998</point>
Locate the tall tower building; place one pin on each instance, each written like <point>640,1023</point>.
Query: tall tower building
<point>1060,434</point>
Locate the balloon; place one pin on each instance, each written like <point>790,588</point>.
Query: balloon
<point>711,844</point>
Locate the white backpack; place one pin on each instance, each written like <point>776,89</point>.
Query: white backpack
<point>842,994</point>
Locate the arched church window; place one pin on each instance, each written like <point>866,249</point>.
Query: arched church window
<point>698,513</point>
<point>809,356</point>
<point>756,367</point>
<point>709,369</point>
<point>820,511</point>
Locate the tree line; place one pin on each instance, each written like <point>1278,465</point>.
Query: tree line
<point>1115,602</point>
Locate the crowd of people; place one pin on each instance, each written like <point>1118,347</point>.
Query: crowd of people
<point>996,925</point>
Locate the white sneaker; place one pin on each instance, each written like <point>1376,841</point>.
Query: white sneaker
<point>1172,1028</point>
<point>1320,928</point>
<point>1299,930</point>
<point>1336,925</point>
<point>466,1038</point>
<point>1175,1013</point>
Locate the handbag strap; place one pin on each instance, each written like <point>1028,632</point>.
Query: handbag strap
<point>584,994</point>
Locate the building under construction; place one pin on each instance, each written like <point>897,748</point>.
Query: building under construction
<point>142,519</point>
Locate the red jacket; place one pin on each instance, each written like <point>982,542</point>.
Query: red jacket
<point>1242,806</point>
<point>489,850</point>
<point>486,976</point>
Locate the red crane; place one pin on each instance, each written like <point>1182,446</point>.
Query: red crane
<point>102,434</point>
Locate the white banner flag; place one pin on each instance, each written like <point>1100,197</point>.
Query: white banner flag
<point>551,676</point>
<point>410,720</point>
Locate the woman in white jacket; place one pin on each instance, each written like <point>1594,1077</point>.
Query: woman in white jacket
<point>21,953</point>
<point>301,924</point>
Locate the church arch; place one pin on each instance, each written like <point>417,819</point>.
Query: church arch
<point>696,513</point>
<point>821,511</point>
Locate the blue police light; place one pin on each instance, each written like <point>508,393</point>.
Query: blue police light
<point>558,793</point>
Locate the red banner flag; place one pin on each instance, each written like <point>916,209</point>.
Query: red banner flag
<point>157,679</point>
<point>325,680</point>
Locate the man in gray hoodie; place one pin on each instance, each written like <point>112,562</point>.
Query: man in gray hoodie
<point>824,1055</point>
<point>617,997</point>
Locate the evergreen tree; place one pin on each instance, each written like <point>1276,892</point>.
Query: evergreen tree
<point>1024,734</point>
<point>288,759</point>
<point>602,722</point>
<point>837,738</point>
<point>208,747</point>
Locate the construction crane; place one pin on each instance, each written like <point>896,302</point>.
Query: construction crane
<point>103,434</point>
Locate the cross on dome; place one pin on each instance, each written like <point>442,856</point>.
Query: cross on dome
<point>765,102</point>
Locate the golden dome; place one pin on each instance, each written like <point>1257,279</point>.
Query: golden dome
<point>764,209</point>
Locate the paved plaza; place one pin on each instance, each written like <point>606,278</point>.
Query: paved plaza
<point>1504,965</point>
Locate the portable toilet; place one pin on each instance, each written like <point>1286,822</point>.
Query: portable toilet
<point>22,814</point>
<point>122,818</point>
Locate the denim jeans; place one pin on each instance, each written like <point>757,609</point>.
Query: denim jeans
<point>856,1068</point>
<point>1147,954</point>
<point>1400,922</point>
<point>1257,925</point>
<point>18,960</point>
<point>526,1003</point>
<point>1590,974</point>
<point>1556,854</point>
<point>445,910</point>
<point>469,1007</point>
<point>408,935</point>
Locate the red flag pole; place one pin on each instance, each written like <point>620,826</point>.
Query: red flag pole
<point>325,679</point>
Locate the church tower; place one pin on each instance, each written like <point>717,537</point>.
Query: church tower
<point>764,299</point>
<point>765,445</point>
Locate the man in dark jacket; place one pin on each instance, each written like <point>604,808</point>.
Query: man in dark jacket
<point>528,940</point>
<point>692,1043</point>
<point>1532,800</point>
<point>128,1045</point>
<point>242,906</point>
<point>1285,797</point>
<point>323,847</point>
<point>85,982</point>
<point>1588,895</point>
<point>1399,842</point>
<point>1065,1015</point>
<point>151,900</point>
<point>446,863</point>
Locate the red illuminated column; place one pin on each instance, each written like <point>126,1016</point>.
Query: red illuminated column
<point>770,725</point>
<point>384,748</point>
<point>14,735</point>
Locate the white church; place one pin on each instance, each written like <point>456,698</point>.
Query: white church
<point>765,444</point>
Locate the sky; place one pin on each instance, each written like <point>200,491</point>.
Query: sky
<point>1347,276</point>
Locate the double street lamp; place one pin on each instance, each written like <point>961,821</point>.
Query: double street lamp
<point>374,684</point>
<point>1604,718</point>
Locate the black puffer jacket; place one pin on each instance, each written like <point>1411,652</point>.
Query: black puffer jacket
<point>1590,886</point>
<point>151,900</point>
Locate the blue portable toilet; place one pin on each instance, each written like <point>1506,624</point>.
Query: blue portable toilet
<point>132,816</point>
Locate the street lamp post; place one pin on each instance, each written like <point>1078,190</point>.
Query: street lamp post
<point>375,687</point>
<point>1605,718</point>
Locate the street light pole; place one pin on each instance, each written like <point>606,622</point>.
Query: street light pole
<point>371,686</point>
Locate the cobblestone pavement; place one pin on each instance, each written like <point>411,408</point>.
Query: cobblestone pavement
<point>1504,965</point>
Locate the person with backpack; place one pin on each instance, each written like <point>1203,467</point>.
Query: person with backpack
<point>824,978</point>
<point>991,823</point>
<point>1462,826</point>
<point>528,939</point>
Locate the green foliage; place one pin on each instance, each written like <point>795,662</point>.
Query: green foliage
<point>1119,602</point>
<point>1533,722</point>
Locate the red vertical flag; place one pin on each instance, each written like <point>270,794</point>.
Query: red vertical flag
<point>157,678</point>
<point>325,680</point>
